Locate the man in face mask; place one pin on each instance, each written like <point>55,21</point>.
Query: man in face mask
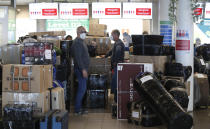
<point>81,64</point>
<point>117,56</point>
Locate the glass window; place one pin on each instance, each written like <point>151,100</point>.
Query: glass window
<point>39,1</point>
<point>1,33</point>
<point>122,0</point>
<point>2,13</point>
<point>24,2</point>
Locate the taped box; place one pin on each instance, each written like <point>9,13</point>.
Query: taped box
<point>158,61</point>
<point>40,100</point>
<point>97,30</point>
<point>103,44</point>
<point>26,78</point>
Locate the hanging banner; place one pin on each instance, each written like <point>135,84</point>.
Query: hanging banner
<point>106,10</point>
<point>137,10</point>
<point>182,40</point>
<point>207,11</point>
<point>74,10</point>
<point>43,10</point>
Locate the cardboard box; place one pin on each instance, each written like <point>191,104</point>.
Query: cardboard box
<point>103,44</point>
<point>26,78</point>
<point>49,33</point>
<point>126,92</point>
<point>201,80</point>
<point>97,30</point>
<point>94,21</point>
<point>42,100</point>
<point>99,65</point>
<point>158,61</point>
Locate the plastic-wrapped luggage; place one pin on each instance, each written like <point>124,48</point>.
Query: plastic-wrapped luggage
<point>97,81</point>
<point>162,102</point>
<point>177,69</point>
<point>178,91</point>
<point>96,98</point>
<point>18,112</point>
<point>199,65</point>
<point>38,53</point>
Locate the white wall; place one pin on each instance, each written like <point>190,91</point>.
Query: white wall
<point>134,26</point>
<point>24,24</point>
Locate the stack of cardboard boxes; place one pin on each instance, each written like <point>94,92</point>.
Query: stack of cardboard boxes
<point>27,84</point>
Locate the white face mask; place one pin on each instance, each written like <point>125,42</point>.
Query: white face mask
<point>83,35</point>
<point>111,37</point>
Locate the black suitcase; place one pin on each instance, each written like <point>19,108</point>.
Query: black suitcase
<point>147,49</point>
<point>97,81</point>
<point>96,98</point>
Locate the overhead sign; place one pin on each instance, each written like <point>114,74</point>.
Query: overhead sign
<point>106,10</point>
<point>207,11</point>
<point>137,10</point>
<point>198,11</point>
<point>74,11</point>
<point>43,10</point>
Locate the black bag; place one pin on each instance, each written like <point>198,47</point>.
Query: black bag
<point>199,67</point>
<point>162,103</point>
<point>178,91</point>
<point>174,69</point>
<point>147,49</point>
<point>91,50</point>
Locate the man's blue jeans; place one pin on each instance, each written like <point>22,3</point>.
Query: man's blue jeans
<point>114,84</point>
<point>82,86</point>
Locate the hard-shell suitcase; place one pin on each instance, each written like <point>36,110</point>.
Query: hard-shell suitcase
<point>46,121</point>
<point>60,119</point>
<point>57,98</point>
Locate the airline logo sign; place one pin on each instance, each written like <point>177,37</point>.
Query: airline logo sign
<point>137,10</point>
<point>74,11</point>
<point>43,10</point>
<point>49,12</point>
<point>112,11</point>
<point>143,11</point>
<point>106,10</point>
<point>207,11</point>
<point>198,11</point>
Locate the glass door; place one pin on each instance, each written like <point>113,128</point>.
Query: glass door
<point>3,25</point>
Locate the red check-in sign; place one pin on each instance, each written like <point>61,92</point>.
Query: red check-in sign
<point>198,11</point>
<point>80,11</point>
<point>49,12</point>
<point>112,11</point>
<point>182,44</point>
<point>143,11</point>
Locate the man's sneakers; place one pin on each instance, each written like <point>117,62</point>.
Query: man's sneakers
<point>82,112</point>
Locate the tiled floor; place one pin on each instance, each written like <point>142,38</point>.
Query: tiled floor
<point>104,121</point>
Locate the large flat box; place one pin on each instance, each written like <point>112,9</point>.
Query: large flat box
<point>26,78</point>
<point>94,21</point>
<point>41,100</point>
<point>123,100</point>
<point>97,30</point>
<point>103,44</point>
<point>126,73</point>
<point>158,61</point>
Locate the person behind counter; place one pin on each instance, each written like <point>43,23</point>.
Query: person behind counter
<point>117,56</point>
<point>81,64</point>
